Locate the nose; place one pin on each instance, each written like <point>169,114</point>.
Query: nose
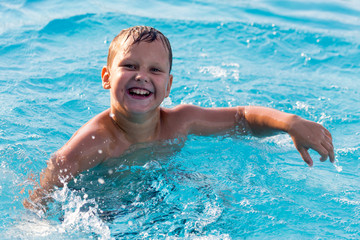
<point>141,76</point>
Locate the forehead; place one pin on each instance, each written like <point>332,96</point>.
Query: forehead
<point>157,45</point>
<point>154,49</point>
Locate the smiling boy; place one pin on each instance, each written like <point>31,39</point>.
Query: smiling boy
<point>138,77</point>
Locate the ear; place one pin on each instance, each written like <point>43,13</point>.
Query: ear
<point>105,77</point>
<point>168,88</point>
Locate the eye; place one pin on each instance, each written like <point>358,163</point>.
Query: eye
<point>129,66</point>
<point>155,70</point>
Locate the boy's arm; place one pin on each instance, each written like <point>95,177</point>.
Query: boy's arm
<point>57,172</point>
<point>82,152</point>
<point>261,120</point>
<point>305,134</point>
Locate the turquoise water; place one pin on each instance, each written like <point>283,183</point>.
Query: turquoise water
<point>294,56</point>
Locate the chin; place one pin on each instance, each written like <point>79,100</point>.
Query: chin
<point>140,110</point>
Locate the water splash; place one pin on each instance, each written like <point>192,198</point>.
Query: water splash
<point>79,214</point>
<point>337,166</point>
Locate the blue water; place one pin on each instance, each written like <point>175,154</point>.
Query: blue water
<point>294,56</point>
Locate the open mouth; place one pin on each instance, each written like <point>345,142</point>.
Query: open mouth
<point>139,92</point>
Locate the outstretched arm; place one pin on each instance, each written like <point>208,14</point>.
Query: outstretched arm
<point>305,134</point>
<point>260,120</point>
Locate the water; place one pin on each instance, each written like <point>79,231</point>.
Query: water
<point>294,56</point>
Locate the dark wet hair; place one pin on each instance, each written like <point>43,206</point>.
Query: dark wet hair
<point>138,34</point>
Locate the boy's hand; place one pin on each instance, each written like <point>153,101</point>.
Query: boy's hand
<point>37,200</point>
<point>307,134</point>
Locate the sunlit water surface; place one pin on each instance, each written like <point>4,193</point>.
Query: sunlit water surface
<point>295,56</point>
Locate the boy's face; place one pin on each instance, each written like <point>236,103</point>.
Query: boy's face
<point>139,77</point>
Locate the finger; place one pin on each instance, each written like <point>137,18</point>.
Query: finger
<point>329,140</point>
<point>305,156</point>
<point>322,151</point>
<point>27,204</point>
<point>330,149</point>
<point>332,155</point>
<point>328,134</point>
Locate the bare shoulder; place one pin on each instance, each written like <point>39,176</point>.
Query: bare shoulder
<point>199,120</point>
<point>181,114</point>
<point>181,109</point>
<point>92,144</point>
<point>175,121</point>
<point>97,127</point>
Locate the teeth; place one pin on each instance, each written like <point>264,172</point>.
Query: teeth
<point>140,91</point>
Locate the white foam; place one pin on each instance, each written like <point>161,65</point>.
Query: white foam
<point>80,219</point>
<point>214,70</point>
<point>337,167</point>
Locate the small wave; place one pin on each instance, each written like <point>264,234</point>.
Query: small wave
<point>351,150</point>
<point>67,26</point>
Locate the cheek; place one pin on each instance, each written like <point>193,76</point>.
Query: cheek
<point>161,87</point>
<point>117,89</point>
<point>117,79</point>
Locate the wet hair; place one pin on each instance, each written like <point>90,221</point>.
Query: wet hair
<point>138,34</point>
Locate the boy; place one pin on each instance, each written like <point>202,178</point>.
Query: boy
<point>138,77</point>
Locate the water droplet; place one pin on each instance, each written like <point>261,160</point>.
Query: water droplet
<point>101,181</point>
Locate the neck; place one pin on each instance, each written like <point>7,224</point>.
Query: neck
<point>138,128</point>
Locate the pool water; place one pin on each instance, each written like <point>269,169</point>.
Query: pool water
<point>294,56</point>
